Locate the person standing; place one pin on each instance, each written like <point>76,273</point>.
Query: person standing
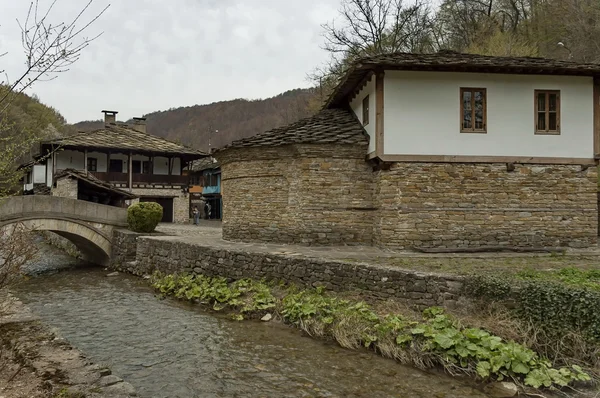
<point>196,214</point>
<point>207,210</point>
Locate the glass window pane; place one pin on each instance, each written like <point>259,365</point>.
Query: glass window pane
<point>541,100</point>
<point>552,102</point>
<point>467,122</point>
<point>479,118</point>
<point>552,122</point>
<point>479,98</point>
<point>467,100</point>
<point>541,121</point>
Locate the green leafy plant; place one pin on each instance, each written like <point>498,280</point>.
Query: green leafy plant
<point>557,304</point>
<point>437,337</point>
<point>143,217</point>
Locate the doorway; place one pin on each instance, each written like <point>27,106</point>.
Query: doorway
<point>167,205</point>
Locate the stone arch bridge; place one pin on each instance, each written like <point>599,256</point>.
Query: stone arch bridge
<point>88,225</point>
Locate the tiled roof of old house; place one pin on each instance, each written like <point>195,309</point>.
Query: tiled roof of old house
<point>328,126</point>
<point>204,164</point>
<point>450,61</point>
<point>92,180</point>
<point>124,138</point>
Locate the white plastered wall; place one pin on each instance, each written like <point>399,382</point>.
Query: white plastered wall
<point>357,104</point>
<point>422,115</point>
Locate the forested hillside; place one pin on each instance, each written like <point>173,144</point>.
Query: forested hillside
<point>27,119</point>
<point>233,119</point>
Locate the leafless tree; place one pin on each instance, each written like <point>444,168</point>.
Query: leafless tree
<point>371,27</point>
<point>15,251</point>
<point>50,47</point>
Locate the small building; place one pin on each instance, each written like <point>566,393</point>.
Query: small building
<point>420,151</point>
<point>205,187</point>
<point>82,185</point>
<point>127,158</point>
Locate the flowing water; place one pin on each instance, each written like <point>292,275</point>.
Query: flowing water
<point>167,348</point>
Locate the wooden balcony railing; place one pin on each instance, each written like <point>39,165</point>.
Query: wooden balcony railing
<point>141,178</point>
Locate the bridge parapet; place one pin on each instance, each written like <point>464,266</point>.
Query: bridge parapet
<point>32,206</point>
<point>88,225</point>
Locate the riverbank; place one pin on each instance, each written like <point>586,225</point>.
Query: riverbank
<point>38,363</point>
<point>540,300</point>
<point>435,340</point>
<point>168,348</point>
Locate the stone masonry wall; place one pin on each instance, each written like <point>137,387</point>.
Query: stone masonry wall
<point>170,255</point>
<point>329,195</point>
<point>181,203</point>
<point>65,188</point>
<point>462,205</point>
<point>308,194</point>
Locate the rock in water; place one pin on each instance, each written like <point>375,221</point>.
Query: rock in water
<point>503,389</point>
<point>113,274</point>
<point>266,318</point>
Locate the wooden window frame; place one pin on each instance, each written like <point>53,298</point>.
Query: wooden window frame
<point>365,110</point>
<point>94,161</point>
<point>547,112</point>
<point>472,90</point>
<point>146,169</point>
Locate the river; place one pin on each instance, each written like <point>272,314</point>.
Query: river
<point>167,348</point>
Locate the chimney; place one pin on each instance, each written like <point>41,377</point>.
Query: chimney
<point>110,117</point>
<point>139,124</point>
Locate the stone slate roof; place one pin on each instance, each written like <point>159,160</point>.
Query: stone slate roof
<point>124,138</point>
<point>329,126</point>
<point>92,180</point>
<point>450,61</point>
<point>205,164</point>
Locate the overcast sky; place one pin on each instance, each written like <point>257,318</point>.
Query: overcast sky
<point>160,54</point>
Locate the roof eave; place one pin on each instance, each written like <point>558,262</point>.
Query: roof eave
<point>344,88</point>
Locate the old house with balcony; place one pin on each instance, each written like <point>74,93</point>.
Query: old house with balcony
<point>126,158</point>
<point>205,187</point>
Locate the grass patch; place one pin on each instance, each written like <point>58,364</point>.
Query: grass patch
<point>435,339</point>
<point>487,265</point>
<point>576,277</point>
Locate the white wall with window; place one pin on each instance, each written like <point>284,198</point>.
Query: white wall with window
<point>161,166</point>
<point>365,97</point>
<point>67,159</point>
<point>475,114</point>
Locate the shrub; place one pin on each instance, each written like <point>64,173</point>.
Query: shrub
<point>144,217</point>
<point>556,308</point>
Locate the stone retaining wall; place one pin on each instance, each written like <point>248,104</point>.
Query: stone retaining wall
<point>124,249</point>
<point>169,255</point>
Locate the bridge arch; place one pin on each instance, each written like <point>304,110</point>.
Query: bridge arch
<point>87,225</point>
<point>93,245</point>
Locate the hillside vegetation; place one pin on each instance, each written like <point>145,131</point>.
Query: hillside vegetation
<point>235,119</point>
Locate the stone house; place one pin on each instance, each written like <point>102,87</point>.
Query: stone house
<point>82,185</point>
<point>205,187</point>
<point>422,151</point>
<point>126,157</point>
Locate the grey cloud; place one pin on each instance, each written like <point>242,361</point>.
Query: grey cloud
<point>157,54</point>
